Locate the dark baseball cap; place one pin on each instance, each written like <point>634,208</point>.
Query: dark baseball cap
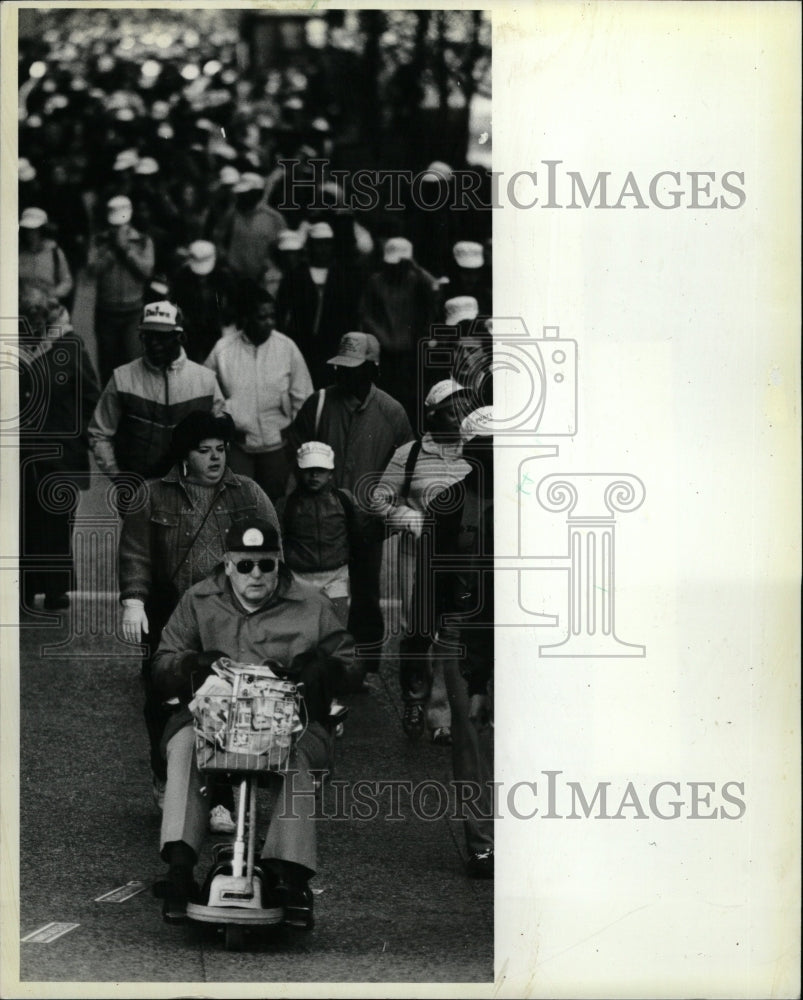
<point>253,535</point>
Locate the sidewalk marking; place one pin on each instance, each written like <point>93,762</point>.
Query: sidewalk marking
<point>121,894</point>
<point>49,932</point>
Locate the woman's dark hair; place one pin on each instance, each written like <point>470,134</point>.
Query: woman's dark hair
<point>196,427</point>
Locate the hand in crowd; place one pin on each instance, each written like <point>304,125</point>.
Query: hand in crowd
<point>135,621</point>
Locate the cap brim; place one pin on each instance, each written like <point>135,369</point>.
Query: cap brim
<point>159,328</point>
<point>202,267</point>
<point>304,464</point>
<point>344,362</point>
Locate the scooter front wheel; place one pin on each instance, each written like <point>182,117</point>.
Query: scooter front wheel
<point>235,937</point>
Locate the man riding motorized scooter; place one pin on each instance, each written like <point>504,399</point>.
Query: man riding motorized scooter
<point>252,610</point>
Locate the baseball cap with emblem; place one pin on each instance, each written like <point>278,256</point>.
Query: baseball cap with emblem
<point>160,317</point>
<point>397,248</point>
<point>119,210</point>
<point>443,392</point>
<point>33,218</point>
<point>459,308</point>
<point>202,257</point>
<point>252,535</point>
<point>468,254</point>
<point>315,455</point>
<point>354,349</point>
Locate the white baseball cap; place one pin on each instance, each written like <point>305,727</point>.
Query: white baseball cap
<point>354,349</point>
<point>290,239</point>
<point>147,165</point>
<point>249,182</point>
<point>468,254</point>
<point>459,308</point>
<point>315,455</point>
<point>229,175</point>
<point>119,210</point>
<point>442,392</point>
<point>160,317</point>
<point>478,423</point>
<point>202,257</point>
<point>396,249</point>
<point>321,231</point>
<point>33,218</point>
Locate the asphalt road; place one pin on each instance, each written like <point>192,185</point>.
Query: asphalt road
<point>392,902</point>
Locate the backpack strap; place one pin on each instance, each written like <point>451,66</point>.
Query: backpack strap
<point>56,265</point>
<point>319,409</point>
<point>409,470</point>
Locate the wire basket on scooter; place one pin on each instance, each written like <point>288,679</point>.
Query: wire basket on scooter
<point>252,729</point>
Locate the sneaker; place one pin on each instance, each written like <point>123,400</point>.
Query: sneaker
<point>158,786</point>
<point>442,736</point>
<point>221,821</point>
<point>413,721</point>
<point>481,864</point>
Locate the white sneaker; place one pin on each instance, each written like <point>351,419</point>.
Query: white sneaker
<point>220,821</point>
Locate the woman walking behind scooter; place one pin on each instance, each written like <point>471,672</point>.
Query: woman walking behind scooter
<point>173,538</point>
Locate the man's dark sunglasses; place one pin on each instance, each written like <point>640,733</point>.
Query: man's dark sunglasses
<point>246,565</point>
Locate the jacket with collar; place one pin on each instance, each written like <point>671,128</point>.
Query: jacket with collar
<point>298,628</point>
<point>265,386</point>
<point>131,427</point>
<point>159,556</point>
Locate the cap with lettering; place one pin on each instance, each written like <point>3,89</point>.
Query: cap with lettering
<point>202,257</point>
<point>459,308</point>
<point>315,455</point>
<point>252,535</point>
<point>355,349</point>
<point>478,423</point>
<point>33,218</point>
<point>397,249</point>
<point>468,254</point>
<point>442,392</point>
<point>160,317</point>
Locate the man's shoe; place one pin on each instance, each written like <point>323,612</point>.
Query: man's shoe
<point>481,864</point>
<point>56,602</point>
<point>297,904</point>
<point>442,736</point>
<point>178,889</point>
<point>221,821</point>
<point>413,721</point>
<point>158,786</point>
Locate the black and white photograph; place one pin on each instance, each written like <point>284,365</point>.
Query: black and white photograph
<point>400,513</point>
<point>255,494</point>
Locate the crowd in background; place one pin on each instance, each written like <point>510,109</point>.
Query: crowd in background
<point>232,274</point>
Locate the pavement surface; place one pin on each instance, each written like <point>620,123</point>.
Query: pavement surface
<point>392,901</point>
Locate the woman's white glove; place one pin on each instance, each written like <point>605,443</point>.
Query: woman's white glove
<point>135,621</point>
<point>407,519</point>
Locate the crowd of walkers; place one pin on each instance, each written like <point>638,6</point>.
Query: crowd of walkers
<point>288,401</point>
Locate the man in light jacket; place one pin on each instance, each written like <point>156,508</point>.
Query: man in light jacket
<point>265,381</point>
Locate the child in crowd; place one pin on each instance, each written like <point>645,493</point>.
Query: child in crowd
<point>320,526</point>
